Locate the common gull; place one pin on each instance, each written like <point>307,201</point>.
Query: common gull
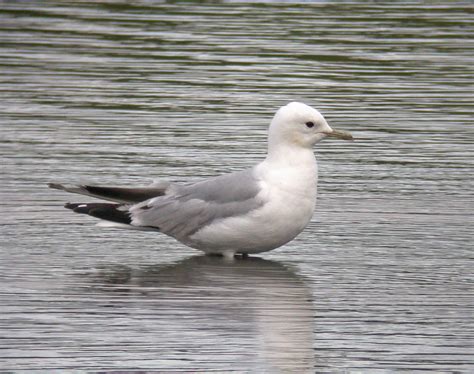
<point>246,212</point>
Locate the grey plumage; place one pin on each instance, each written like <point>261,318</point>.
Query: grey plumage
<point>185,209</point>
<point>178,210</point>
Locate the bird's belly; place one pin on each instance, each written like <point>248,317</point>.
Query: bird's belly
<point>268,227</point>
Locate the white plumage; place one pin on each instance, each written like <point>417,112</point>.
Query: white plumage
<point>250,211</point>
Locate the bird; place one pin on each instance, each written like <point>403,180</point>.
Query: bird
<point>236,214</point>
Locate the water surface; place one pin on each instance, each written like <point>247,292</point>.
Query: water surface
<point>111,92</point>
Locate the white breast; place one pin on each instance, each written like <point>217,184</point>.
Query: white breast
<point>289,194</point>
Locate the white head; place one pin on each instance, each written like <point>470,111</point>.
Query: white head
<point>298,124</point>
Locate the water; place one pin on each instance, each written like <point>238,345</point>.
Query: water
<point>110,92</point>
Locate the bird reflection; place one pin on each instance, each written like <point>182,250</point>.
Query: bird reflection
<point>257,310</point>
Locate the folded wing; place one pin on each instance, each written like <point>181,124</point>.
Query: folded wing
<point>176,210</point>
<point>191,207</point>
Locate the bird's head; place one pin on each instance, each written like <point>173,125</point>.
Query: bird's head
<point>299,124</point>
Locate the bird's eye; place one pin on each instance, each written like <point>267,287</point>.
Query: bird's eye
<point>309,124</point>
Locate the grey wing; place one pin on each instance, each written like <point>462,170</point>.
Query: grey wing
<point>188,208</point>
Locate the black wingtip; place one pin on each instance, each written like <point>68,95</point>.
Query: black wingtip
<point>70,206</point>
<point>135,195</point>
<point>80,207</point>
<point>55,186</point>
<point>111,214</point>
<point>106,211</point>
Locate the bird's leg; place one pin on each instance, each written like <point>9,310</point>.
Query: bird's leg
<point>228,255</point>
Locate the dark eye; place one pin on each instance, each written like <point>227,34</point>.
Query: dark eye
<point>310,124</point>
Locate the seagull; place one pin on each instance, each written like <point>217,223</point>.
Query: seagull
<point>241,213</point>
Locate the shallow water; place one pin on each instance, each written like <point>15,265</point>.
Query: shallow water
<point>109,92</point>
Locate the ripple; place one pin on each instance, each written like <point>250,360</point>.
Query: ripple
<point>118,91</point>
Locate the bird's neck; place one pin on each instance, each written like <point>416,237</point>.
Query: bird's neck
<point>290,155</point>
<point>292,169</point>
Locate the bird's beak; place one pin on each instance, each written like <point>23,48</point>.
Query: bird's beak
<point>339,134</point>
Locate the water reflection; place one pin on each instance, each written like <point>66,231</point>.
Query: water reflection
<point>232,306</point>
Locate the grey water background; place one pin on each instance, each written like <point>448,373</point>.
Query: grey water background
<point>125,92</point>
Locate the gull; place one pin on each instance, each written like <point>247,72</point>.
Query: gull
<point>241,213</point>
